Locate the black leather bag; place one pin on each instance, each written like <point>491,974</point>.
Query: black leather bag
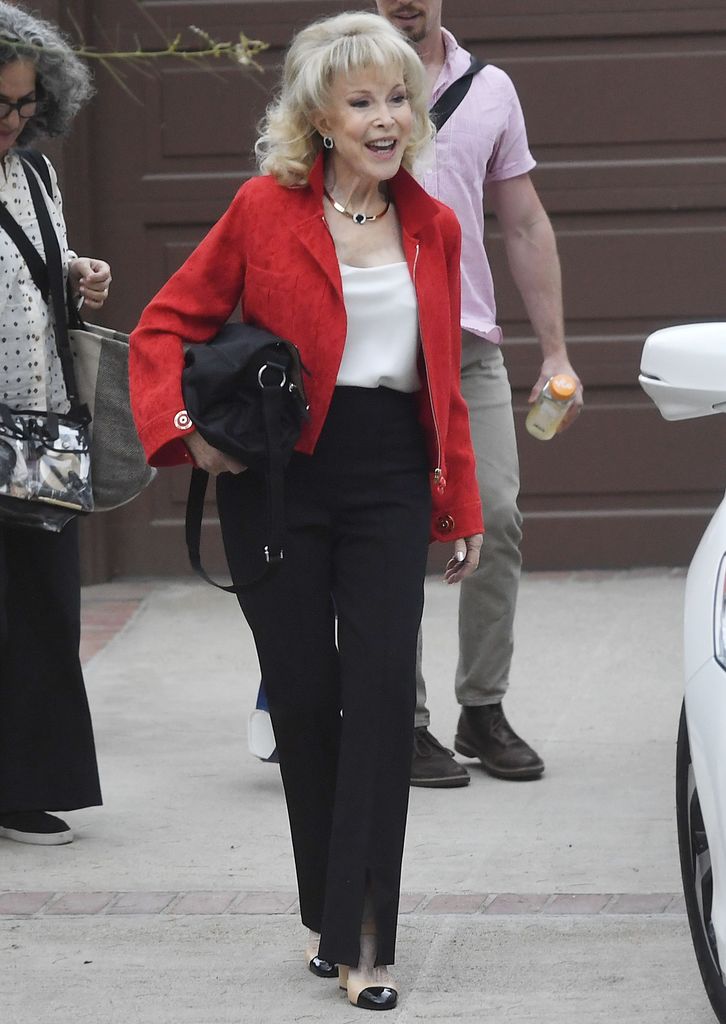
<point>244,393</point>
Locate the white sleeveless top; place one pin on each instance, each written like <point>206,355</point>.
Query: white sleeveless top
<point>382,343</point>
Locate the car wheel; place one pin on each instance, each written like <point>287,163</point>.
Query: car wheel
<point>696,873</point>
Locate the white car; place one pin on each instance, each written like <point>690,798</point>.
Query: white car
<point>683,369</point>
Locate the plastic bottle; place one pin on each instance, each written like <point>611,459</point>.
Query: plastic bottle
<point>554,400</point>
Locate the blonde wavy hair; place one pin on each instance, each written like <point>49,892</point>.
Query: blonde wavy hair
<point>344,44</point>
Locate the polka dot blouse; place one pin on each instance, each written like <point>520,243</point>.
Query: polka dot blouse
<point>30,371</point>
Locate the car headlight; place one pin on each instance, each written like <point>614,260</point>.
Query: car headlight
<point>719,616</point>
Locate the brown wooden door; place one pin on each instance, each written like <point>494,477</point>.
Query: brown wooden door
<point>625,115</point>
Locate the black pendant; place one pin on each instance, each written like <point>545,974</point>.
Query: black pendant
<point>360,218</point>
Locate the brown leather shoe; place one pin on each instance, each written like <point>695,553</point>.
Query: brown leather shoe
<point>484,732</point>
<point>433,765</point>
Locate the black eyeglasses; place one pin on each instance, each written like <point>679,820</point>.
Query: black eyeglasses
<point>25,107</point>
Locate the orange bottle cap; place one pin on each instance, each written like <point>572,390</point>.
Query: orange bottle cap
<point>562,386</point>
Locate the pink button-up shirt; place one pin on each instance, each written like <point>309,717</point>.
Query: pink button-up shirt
<point>484,140</point>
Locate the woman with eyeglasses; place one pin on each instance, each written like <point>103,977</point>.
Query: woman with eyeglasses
<point>47,754</point>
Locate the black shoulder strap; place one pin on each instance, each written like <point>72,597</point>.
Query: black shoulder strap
<point>38,161</point>
<point>54,266</point>
<point>450,99</point>
<point>36,266</point>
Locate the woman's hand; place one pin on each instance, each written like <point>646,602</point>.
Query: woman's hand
<point>91,280</point>
<point>210,459</point>
<point>465,558</point>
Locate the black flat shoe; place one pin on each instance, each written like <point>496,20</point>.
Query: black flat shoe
<point>35,827</point>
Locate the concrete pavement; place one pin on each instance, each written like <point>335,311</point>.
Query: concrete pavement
<point>552,901</point>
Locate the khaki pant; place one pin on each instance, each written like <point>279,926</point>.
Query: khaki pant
<point>488,599</point>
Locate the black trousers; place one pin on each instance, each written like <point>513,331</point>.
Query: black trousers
<point>47,753</point>
<point>335,630</point>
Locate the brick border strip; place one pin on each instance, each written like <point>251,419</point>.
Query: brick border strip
<point>106,609</point>
<point>216,904</point>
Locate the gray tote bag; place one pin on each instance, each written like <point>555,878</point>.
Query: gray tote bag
<point>119,470</point>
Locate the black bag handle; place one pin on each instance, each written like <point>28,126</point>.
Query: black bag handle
<point>450,99</point>
<point>273,397</point>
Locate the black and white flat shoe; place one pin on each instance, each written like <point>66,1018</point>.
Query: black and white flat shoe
<point>37,828</point>
<point>322,968</point>
<point>369,990</point>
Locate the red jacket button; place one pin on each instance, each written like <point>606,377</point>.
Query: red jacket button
<point>445,524</point>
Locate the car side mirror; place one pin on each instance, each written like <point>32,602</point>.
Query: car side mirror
<point>683,369</point>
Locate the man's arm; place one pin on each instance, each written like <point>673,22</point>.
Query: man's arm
<point>535,266</point>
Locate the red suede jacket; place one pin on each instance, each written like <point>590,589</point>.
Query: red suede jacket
<point>273,251</point>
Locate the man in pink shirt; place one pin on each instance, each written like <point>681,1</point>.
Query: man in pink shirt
<point>482,149</point>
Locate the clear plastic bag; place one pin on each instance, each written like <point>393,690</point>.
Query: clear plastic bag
<point>45,469</point>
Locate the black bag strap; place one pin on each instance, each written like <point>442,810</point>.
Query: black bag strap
<point>40,164</point>
<point>273,398</point>
<point>38,161</point>
<point>450,99</point>
<point>36,266</point>
<point>58,295</point>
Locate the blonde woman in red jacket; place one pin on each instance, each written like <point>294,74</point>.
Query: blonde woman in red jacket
<point>336,248</point>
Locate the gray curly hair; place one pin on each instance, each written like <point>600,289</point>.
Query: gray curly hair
<point>63,81</point>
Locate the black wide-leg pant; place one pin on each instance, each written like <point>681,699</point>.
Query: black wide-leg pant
<point>47,753</point>
<point>335,630</point>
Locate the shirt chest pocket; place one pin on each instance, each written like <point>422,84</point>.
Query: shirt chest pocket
<point>288,304</point>
<point>268,295</point>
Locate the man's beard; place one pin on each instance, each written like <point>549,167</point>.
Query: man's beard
<point>414,35</point>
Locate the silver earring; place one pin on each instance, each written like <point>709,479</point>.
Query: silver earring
<point>328,142</point>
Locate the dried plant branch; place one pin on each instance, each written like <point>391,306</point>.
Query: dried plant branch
<point>119,79</point>
<point>116,60</point>
<point>76,24</point>
<point>242,52</point>
<point>142,10</point>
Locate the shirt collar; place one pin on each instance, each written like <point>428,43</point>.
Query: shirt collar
<point>456,62</point>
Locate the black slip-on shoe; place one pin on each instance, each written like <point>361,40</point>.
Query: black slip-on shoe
<point>35,827</point>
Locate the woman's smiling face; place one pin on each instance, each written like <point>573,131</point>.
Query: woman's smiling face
<point>370,120</point>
